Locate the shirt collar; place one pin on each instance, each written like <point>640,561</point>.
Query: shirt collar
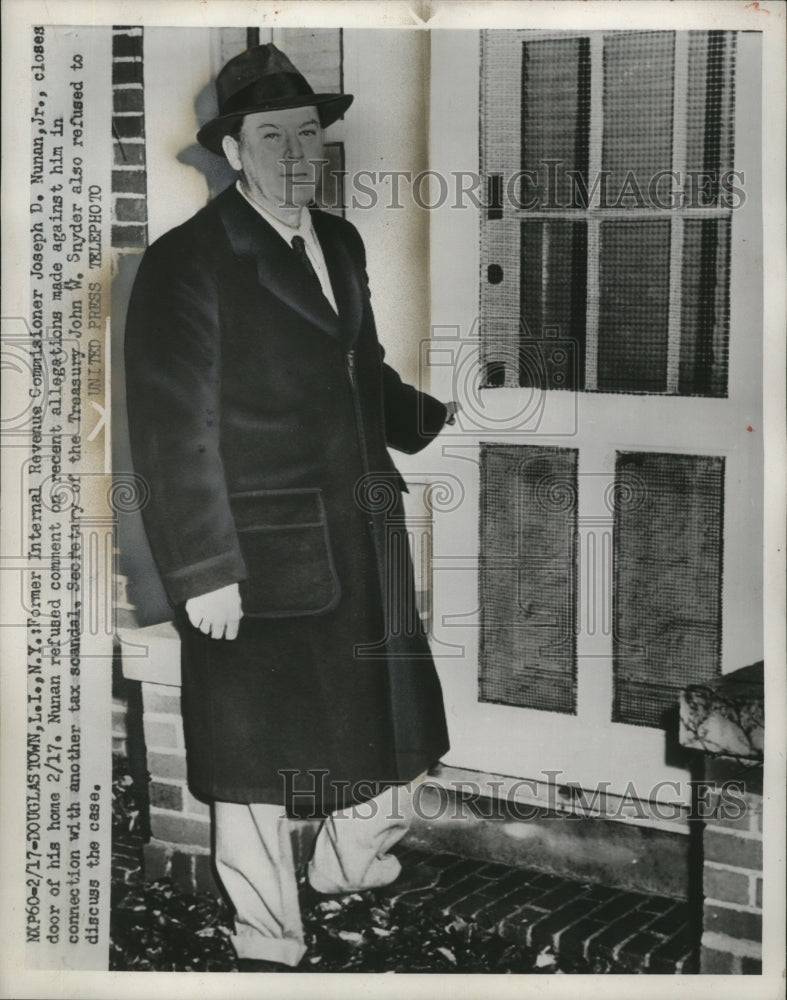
<point>304,227</point>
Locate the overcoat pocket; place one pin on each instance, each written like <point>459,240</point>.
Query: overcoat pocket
<point>285,543</point>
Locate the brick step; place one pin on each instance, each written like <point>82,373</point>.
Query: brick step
<point>602,927</point>
<point>580,921</point>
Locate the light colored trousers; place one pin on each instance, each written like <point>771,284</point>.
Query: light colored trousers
<point>255,862</point>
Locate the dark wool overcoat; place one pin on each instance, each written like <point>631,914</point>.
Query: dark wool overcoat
<point>260,420</point>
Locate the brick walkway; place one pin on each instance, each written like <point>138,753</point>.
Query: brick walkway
<point>592,927</point>
<point>596,924</point>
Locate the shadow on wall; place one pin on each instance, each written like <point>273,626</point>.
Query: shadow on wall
<point>217,172</point>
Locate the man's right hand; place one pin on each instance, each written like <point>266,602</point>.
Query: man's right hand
<point>218,613</point>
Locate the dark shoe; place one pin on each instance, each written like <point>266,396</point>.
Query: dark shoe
<point>261,965</point>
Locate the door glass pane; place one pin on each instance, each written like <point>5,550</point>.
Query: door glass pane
<point>634,304</point>
<point>638,82</point>
<point>555,119</point>
<point>667,580</point>
<point>599,285</point>
<point>705,308</point>
<point>710,110</point>
<point>553,301</point>
<point>527,576</point>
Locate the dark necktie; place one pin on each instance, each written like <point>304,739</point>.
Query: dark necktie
<point>299,246</point>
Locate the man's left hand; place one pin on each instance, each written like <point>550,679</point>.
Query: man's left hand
<point>218,613</point>
<point>453,408</point>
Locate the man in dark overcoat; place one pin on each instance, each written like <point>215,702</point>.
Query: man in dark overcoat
<point>260,413</point>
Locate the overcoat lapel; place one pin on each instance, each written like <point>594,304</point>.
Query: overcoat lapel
<point>345,276</point>
<point>278,267</point>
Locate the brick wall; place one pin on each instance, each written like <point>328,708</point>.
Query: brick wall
<point>129,233</point>
<point>732,881</point>
<point>179,823</point>
<point>129,180</point>
<point>724,720</point>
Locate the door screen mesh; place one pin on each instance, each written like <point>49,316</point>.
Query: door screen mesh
<point>553,300</point>
<point>667,580</point>
<point>611,156</point>
<point>634,307</point>
<point>527,579</point>
<point>639,69</point>
<point>705,307</point>
<point>555,120</point>
<point>710,107</point>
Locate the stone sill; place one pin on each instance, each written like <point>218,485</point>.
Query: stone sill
<point>725,717</point>
<point>667,815</point>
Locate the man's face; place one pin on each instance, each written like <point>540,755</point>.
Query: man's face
<point>279,155</point>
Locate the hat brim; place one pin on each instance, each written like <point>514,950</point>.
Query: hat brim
<point>329,106</point>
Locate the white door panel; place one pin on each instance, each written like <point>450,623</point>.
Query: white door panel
<point>587,747</point>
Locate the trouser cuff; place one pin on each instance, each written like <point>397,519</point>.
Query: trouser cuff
<point>249,943</point>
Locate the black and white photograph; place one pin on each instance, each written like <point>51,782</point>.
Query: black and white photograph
<point>393,465</point>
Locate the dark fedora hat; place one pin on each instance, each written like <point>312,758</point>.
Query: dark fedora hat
<point>264,79</point>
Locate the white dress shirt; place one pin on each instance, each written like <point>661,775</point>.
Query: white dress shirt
<point>304,229</point>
